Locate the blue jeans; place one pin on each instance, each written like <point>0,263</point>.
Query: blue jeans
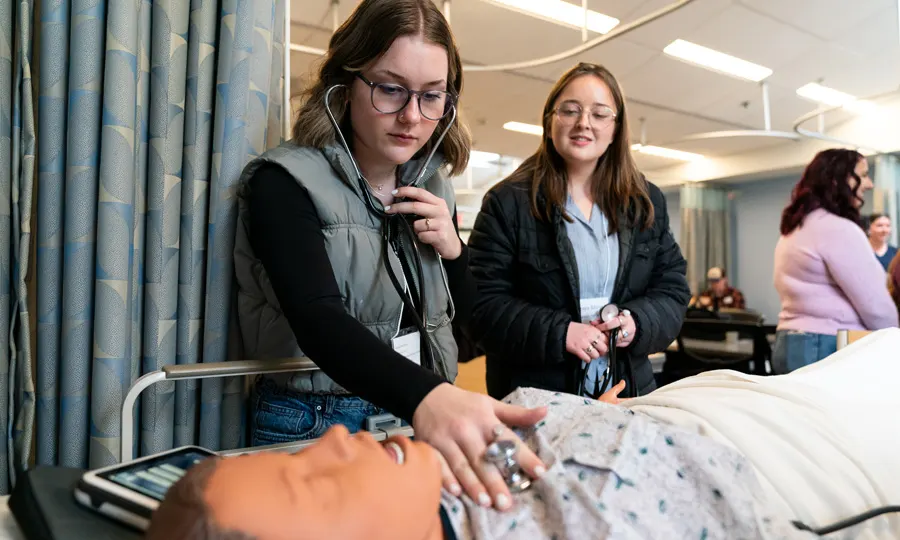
<point>283,415</point>
<point>793,349</point>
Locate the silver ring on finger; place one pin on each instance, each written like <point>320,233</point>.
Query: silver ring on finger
<point>624,333</point>
<point>427,224</point>
<point>588,350</point>
<point>595,342</point>
<point>498,431</point>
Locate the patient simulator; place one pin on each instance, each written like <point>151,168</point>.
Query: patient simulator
<point>718,455</point>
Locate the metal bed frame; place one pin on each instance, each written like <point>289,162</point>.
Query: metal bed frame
<point>381,427</point>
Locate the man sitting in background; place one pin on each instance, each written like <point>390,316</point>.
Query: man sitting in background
<point>719,293</point>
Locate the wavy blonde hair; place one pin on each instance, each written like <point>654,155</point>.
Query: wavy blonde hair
<point>361,40</point>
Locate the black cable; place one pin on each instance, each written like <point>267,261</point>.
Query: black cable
<point>849,522</point>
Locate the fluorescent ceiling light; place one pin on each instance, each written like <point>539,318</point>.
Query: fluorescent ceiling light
<point>716,61</point>
<point>835,98</point>
<point>530,129</point>
<point>560,12</point>
<point>667,153</point>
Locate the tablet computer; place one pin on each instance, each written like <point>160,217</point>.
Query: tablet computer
<point>131,492</point>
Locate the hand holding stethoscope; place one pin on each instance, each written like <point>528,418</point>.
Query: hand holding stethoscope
<point>435,227</point>
<point>625,324</point>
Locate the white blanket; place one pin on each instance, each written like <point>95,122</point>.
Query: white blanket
<point>825,440</point>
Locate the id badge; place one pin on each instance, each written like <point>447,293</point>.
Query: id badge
<point>409,344</point>
<point>590,308</point>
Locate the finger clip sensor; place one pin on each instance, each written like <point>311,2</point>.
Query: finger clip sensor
<point>502,454</point>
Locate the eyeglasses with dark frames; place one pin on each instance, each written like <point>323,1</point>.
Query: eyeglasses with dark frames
<point>390,98</point>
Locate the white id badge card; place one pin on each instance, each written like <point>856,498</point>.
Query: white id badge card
<point>590,308</point>
<point>409,345</point>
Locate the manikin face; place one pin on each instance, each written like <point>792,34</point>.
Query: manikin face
<point>392,139</point>
<point>880,229</point>
<point>348,487</point>
<point>865,183</point>
<point>583,138</point>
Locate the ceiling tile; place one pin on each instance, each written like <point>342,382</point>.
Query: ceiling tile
<point>753,37</point>
<point>661,32</point>
<point>827,19</point>
<point>619,56</point>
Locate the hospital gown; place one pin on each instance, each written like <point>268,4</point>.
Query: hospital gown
<point>616,474</point>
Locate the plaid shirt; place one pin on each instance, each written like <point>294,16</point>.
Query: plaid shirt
<point>732,299</point>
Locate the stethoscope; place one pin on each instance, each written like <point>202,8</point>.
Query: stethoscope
<point>395,220</point>
<point>611,373</point>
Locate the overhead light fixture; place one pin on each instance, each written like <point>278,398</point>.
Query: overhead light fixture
<point>520,127</point>
<point>667,153</point>
<point>835,98</point>
<point>557,11</point>
<point>716,61</point>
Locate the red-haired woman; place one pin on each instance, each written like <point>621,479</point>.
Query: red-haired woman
<point>824,270</point>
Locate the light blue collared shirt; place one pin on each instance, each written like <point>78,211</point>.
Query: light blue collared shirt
<point>597,257</point>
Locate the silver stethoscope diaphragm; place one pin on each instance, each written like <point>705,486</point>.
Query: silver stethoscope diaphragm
<point>502,454</point>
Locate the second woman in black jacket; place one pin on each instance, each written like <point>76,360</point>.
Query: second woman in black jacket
<point>530,315</point>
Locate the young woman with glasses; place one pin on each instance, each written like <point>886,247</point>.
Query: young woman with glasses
<point>339,256</point>
<point>576,227</point>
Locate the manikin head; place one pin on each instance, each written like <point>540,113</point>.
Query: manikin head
<point>347,487</point>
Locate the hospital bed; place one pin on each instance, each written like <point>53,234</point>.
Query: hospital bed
<point>381,427</point>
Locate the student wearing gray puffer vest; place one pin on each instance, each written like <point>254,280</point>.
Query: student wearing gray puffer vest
<point>339,258</point>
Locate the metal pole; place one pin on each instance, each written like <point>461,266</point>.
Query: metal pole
<point>584,23</point>
<point>767,112</point>
<point>286,112</point>
<point>446,9</point>
<point>335,16</point>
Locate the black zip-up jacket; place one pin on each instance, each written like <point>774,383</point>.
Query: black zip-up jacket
<point>528,293</point>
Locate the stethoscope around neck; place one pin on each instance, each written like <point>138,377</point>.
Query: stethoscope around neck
<point>392,221</point>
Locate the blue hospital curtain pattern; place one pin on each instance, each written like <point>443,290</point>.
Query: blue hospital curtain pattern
<point>148,111</point>
<point>17,156</point>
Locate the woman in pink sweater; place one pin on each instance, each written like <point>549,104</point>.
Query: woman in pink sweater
<point>824,270</point>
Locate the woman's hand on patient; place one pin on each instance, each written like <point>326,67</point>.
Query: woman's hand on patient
<point>586,342</point>
<point>460,425</point>
<point>436,226</point>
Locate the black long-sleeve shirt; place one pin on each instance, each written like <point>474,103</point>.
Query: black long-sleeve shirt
<point>286,235</point>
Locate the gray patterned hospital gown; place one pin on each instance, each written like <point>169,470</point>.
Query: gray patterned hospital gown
<point>616,474</point>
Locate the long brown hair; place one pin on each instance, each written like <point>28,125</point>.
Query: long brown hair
<point>363,38</point>
<point>617,183</point>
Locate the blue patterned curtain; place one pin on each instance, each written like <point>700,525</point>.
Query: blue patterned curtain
<point>17,155</point>
<point>147,113</point>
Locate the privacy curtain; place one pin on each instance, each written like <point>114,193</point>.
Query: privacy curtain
<point>705,230</point>
<point>17,155</point>
<point>887,191</point>
<point>148,112</point>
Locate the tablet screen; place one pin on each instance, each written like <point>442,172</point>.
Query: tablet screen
<point>155,476</point>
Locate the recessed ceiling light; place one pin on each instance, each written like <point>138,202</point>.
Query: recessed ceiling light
<point>667,153</point>
<point>716,61</point>
<point>520,127</point>
<point>560,12</point>
<point>835,98</point>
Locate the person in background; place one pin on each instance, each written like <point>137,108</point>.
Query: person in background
<point>824,271</point>
<point>879,233</point>
<point>720,293</point>
<point>339,258</point>
<point>575,227</point>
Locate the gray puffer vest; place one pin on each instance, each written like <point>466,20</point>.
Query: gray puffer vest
<point>353,240</point>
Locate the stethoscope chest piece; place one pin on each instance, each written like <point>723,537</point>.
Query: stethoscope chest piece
<point>502,454</point>
<point>609,312</point>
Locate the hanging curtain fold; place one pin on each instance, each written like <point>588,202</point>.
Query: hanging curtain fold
<point>148,112</point>
<point>705,231</point>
